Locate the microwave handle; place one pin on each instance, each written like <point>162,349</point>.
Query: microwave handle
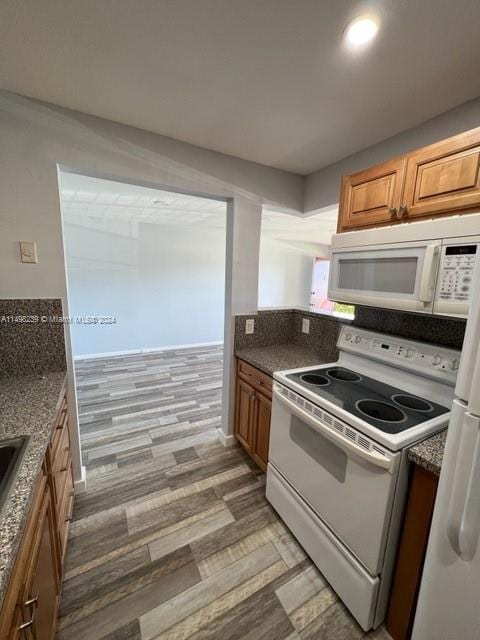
<point>426,288</point>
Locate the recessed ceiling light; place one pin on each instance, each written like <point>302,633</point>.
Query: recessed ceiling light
<point>361,30</point>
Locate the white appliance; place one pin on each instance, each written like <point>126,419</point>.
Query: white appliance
<point>337,469</point>
<point>422,266</point>
<point>449,600</point>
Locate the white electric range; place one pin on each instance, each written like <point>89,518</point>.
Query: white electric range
<point>338,466</point>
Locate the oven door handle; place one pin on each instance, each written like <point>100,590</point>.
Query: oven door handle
<point>378,460</point>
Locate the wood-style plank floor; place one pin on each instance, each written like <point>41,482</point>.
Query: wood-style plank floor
<point>174,538</point>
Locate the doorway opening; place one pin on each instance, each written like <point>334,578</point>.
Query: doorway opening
<point>294,262</point>
<point>146,298</point>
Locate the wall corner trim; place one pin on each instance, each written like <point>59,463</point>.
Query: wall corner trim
<point>81,485</point>
<point>227,441</point>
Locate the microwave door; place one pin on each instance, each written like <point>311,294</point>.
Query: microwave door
<point>395,276</point>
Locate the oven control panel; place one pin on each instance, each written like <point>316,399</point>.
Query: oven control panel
<point>431,360</point>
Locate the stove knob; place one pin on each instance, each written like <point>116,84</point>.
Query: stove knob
<point>348,336</point>
<point>436,359</point>
<point>453,364</point>
<point>358,339</point>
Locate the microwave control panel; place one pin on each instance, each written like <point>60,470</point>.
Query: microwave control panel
<point>456,272</point>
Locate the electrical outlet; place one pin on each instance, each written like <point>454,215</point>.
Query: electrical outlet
<point>28,252</point>
<point>249,325</point>
<point>305,325</point>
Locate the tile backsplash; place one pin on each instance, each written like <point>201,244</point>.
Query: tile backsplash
<point>32,339</point>
<point>447,332</point>
<point>279,326</point>
<point>285,326</point>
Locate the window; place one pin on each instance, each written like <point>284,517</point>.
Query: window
<point>319,293</point>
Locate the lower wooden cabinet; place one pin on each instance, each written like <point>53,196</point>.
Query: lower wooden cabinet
<point>253,407</point>
<point>39,601</point>
<point>30,606</point>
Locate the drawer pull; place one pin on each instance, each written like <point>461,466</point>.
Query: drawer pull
<point>63,469</point>
<point>255,380</point>
<point>31,601</point>
<point>29,625</point>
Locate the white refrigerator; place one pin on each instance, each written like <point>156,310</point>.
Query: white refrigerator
<point>449,600</point>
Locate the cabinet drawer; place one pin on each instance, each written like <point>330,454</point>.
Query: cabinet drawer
<point>60,481</point>
<point>257,379</point>
<point>60,426</point>
<point>62,451</point>
<point>65,512</point>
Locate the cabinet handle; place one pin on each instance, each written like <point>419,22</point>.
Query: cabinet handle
<point>402,211</point>
<point>392,211</point>
<point>32,601</point>
<point>29,625</point>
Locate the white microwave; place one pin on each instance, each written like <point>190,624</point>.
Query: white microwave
<point>425,267</point>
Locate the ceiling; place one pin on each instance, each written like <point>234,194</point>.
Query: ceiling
<point>85,198</point>
<point>266,80</point>
<point>97,203</point>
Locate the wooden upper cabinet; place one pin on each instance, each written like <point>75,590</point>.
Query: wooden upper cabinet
<point>441,179</point>
<point>372,197</point>
<point>444,177</point>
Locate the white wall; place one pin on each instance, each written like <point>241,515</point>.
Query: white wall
<point>322,188</point>
<point>285,275</point>
<point>37,137</point>
<point>164,284</point>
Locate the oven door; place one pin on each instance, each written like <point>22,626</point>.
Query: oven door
<point>350,488</point>
<point>398,276</point>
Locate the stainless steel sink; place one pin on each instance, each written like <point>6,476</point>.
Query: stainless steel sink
<point>11,452</point>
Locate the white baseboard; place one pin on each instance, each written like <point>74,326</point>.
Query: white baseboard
<point>81,485</point>
<point>227,441</point>
<point>131,352</point>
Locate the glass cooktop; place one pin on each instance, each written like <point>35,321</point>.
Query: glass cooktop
<point>386,408</point>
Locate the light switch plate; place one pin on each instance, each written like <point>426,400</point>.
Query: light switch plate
<point>305,325</point>
<point>249,325</point>
<point>28,251</point>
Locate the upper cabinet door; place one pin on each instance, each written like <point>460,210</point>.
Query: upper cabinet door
<point>372,197</point>
<point>444,177</point>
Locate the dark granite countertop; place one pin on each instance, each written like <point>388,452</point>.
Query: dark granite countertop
<point>28,405</point>
<point>429,453</point>
<point>281,356</point>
